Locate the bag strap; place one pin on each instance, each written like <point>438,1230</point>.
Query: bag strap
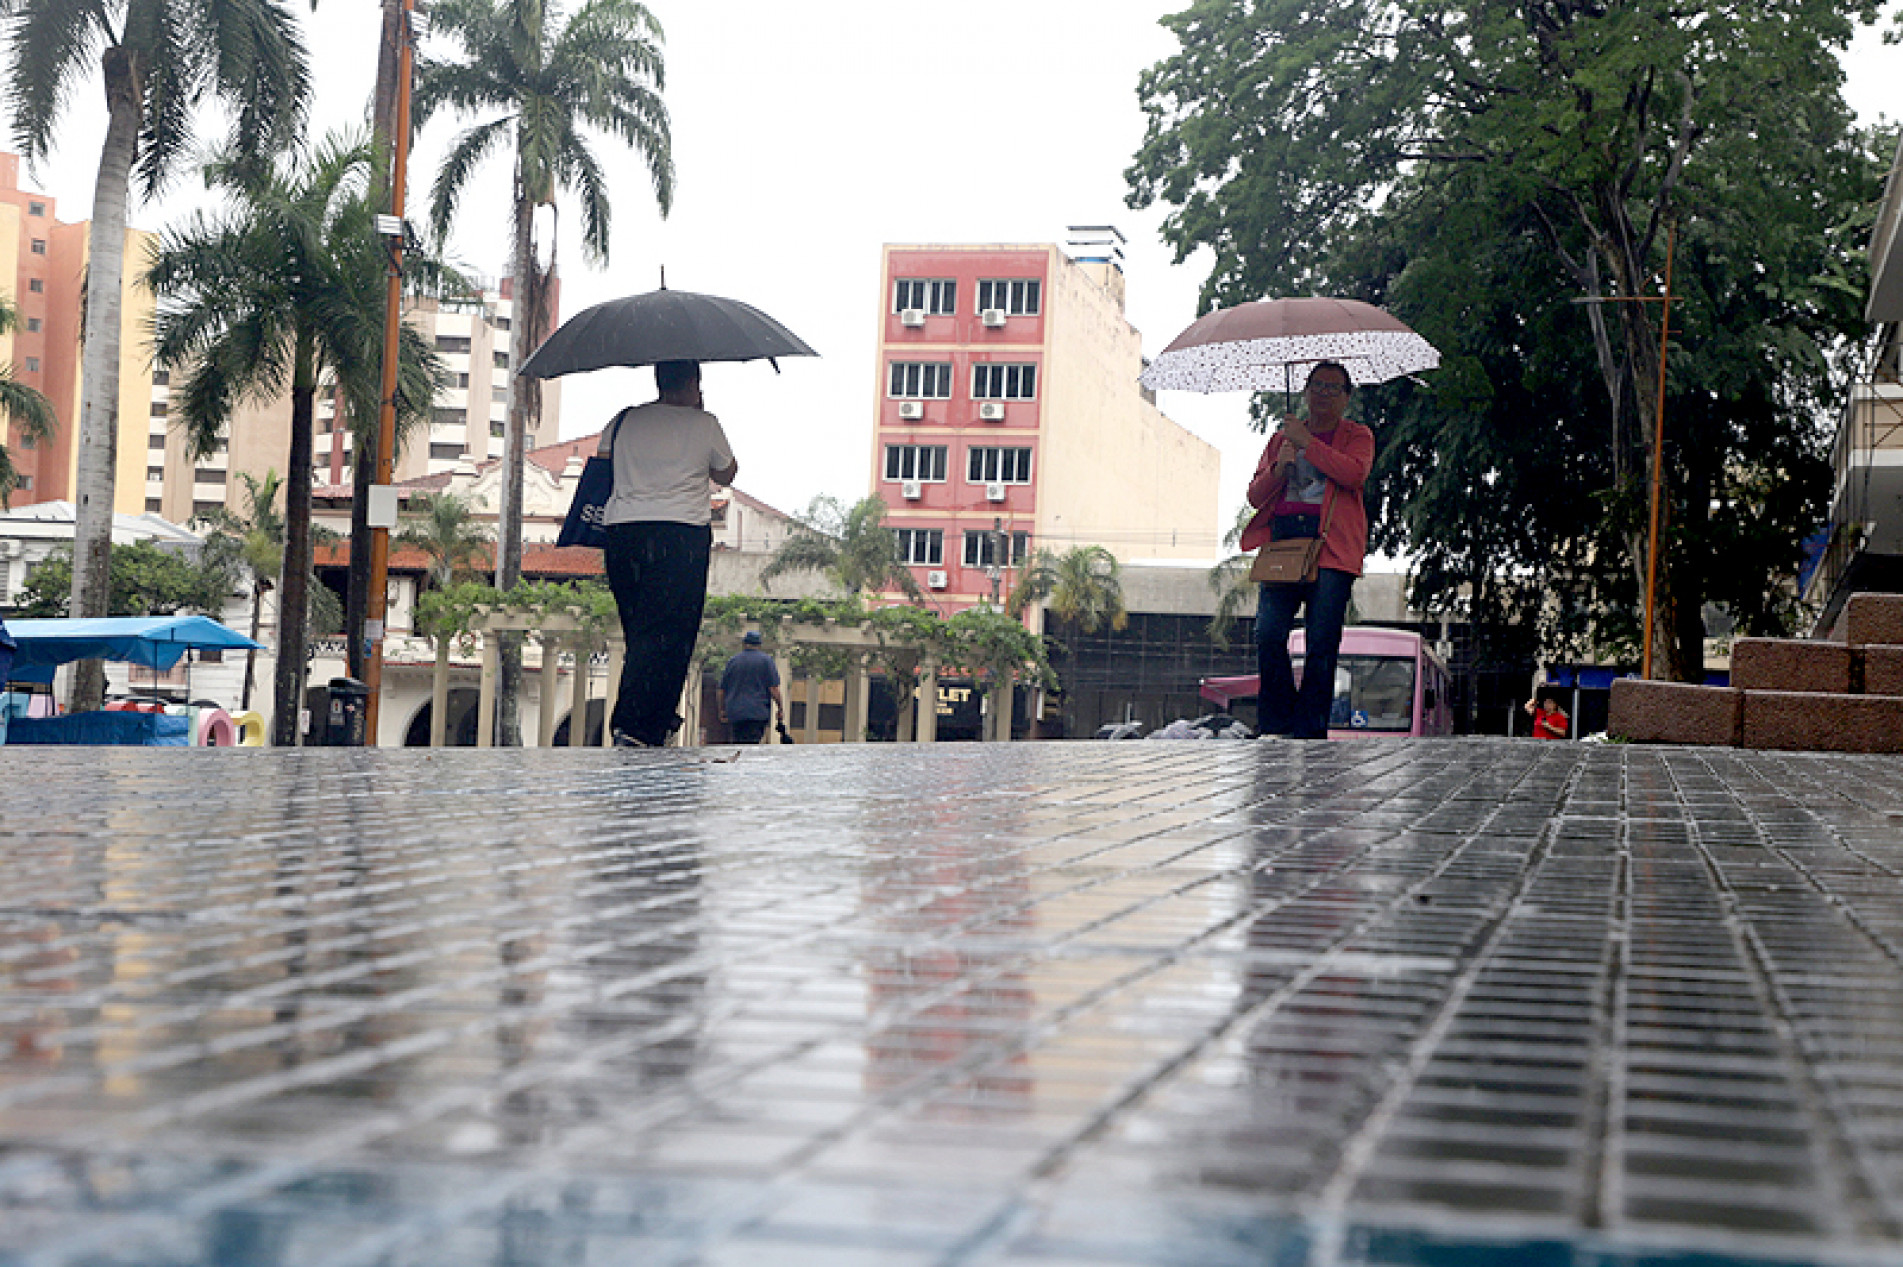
<point>614,434</point>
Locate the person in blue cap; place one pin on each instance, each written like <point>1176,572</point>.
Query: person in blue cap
<point>749,692</point>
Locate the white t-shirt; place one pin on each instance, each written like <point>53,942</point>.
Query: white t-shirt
<point>664,456</point>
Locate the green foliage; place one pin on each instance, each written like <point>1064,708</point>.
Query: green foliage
<point>444,528</point>
<point>23,407</point>
<point>147,580</point>
<point>851,544</point>
<point>1479,170</point>
<point>1080,586</point>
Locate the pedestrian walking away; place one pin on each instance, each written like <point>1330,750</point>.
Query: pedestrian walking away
<point>749,692</point>
<point>659,540</point>
<point>1308,484</point>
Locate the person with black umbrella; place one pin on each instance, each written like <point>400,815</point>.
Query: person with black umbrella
<point>659,539</point>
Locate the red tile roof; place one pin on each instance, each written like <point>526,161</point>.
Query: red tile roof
<point>539,561</point>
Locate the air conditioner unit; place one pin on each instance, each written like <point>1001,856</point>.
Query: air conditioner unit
<point>912,409</point>
<point>992,317</point>
<point>911,490</point>
<point>937,580</point>
<point>994,492</point>
<point>9,549</point>
<point>912,318</point>
<point>991,411</point>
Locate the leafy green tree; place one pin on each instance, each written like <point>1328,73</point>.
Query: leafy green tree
<point>445,529</point>
<point>160,59</point>
<point>147,580</point>
<point>21,405</point>
<point>254,540</point>
<point>851,544</point>
<point>549,83</point>
<point>1081,586</point>
<point>1506,179</point>
<point>280,292</point>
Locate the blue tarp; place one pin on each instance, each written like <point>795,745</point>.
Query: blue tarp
<point>151,730</point>
<point>1592,677</point>
<point>156,642</point>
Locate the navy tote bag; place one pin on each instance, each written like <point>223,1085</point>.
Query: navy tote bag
<point>583,527</point>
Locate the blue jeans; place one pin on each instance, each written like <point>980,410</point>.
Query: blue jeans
<point>1280,709</point>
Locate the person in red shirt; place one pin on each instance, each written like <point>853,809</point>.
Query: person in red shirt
<point>1549,719</point>
<point>1311,475</point>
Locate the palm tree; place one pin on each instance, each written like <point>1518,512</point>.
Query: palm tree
<point>1080,586</point>
<point>256,539</point>
<point>160,60</point>
<point>281,291</point>
<point>19,404</point>
<point>1229,579</point>
<point>852,545</point>
<point>603,70</point>
<point>447,532</point>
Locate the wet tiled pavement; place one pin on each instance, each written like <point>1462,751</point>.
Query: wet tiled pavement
<point>1440,1002</point>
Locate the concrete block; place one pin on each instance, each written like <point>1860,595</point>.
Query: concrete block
<point>1871,619</point>
<point>1793,664</point>
<point>1674,712</point>
<point>1882,670</point>
<point>1807,722</point>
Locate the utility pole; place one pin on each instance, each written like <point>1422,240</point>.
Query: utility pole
<point>382,496</point>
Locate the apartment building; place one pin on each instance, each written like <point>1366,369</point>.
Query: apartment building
<point>1009,417</point>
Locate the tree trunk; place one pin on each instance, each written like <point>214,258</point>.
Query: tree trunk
<point>514,455</point>
<point>251,655</point>
<point>293,588</point>
<point>98,446</point>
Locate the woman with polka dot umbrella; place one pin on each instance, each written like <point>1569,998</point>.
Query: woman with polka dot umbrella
<point>1268,346</point>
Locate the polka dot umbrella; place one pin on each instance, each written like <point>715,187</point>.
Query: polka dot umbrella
<point>1262,346</point>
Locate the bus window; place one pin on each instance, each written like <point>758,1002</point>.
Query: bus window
<point>1374,693</point>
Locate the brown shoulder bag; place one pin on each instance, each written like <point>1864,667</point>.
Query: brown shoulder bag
<point>1296,561</point>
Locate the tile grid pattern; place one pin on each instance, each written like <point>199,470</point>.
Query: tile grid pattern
<point>1302,1003</point>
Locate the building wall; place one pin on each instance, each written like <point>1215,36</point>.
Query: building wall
<point>1107,467</point>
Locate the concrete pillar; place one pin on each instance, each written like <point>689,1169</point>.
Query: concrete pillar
<point>578,697</point>
<point>815,687</point>
<point>439,695</point>
<point>486,692</point>
<point>902,732</point>
<point>551,688</point>
<point>688,736</point>
<point>858,691</point>
<point>785,666</point>
<point>1001,708</point>
<point>617,652</point>
<point>928,700</point>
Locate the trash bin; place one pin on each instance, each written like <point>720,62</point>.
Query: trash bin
<point>349,711</point>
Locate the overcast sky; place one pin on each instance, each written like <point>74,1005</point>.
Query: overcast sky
<point>804,138</point>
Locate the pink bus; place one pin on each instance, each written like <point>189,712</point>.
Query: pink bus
<point>1388,682</point>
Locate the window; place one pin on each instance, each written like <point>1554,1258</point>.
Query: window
<point>449,417</point>
<point>29,441</point>
<point>154,506</point>
<point>1019,297</point>
<point>445,452</point>
<point>499,395</point>
<point>160,408</point>
<point>38,246</point>
<point>1004,382</point>
<point>32,364</point>
<point>498,428</point>
<point>920,380</point>
<point>998,466</point>
<point>921,547</point>
<point>915,462</point>
<point>32,325</point>
<point>36,285</point>
<point>23,483</point>
<point>161,378</point>
<point>981,548</point>
<point>462,381</point>
<point>938,298</point>
<point>155,472</point>
<point>500,323</point>
<point>206,508</point>
<point>205,475</point>
<point>452,343</point>
<point>502,360</point>
<point>156,444</point>
<point>36,208</point>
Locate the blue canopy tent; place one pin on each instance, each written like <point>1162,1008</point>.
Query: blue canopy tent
<point>157,642</point>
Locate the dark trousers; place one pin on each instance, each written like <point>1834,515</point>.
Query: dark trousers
<point>1281,710</point>
<point>748,731</point>
<point>658,572</point>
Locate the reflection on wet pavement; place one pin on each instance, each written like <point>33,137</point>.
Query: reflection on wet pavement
<point>1434,1002</point>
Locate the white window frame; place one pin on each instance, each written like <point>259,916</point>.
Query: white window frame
<point>917,462</point>
<point>921,547</point>
<point>988,463</point>
<point>910,380</point>
<point>976,539</point>
<point>1003,380</point>
<point>934,296</point>
<point>1017,296</point>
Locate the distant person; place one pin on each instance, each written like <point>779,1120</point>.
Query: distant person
<point>659,541</point>
<point>1308,484</point>
<point>749,692</point>
<point>1549,719</point>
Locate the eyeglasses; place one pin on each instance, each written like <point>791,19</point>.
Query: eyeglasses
<point>1328,389</point>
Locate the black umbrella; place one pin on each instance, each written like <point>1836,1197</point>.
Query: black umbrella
<point>663,325</point>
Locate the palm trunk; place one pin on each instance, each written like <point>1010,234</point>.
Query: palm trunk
<point>293,591</point>
<point>514,455</point>
<point>99,375</point>
<point>251,656</point>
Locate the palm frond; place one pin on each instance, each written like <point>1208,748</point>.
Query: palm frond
<point>53,44</point>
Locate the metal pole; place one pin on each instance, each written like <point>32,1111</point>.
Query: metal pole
<point>1658,460</point>
<point>377,602</point>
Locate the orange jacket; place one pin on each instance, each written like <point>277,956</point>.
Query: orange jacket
<point>1346,462</point>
